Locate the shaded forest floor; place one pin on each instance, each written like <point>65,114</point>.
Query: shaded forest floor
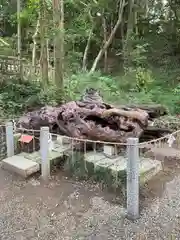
<point>70,210</point>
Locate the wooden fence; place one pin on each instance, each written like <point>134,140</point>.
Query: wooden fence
<point>11,66</point>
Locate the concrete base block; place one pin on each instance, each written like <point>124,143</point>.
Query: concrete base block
<point>20,165</point>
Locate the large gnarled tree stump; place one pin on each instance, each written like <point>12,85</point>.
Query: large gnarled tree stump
<point>91,118</point>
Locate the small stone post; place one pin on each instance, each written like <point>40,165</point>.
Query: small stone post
<point>44,149</point>
<point>9,139</point>
<point>133,178</point>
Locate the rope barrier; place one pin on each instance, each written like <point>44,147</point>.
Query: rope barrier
<point>27,130</point>
<point>102,142</point>
<point>160,139</point>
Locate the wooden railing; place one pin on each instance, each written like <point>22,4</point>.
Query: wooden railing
<point>10,66</point>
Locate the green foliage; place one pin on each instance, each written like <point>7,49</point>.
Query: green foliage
<point>13,97</point>
<point>152,72</point>
<point>143,78</point>
<point>76,84</point>
<point>177,90</point>
<point>138,55</point>
<point>16,98</point>
<point>125,89</point>
<point>170,122</point>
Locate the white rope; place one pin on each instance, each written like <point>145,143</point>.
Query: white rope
<point>159,139</point>
<point>103,142</point>
<point>27,130</point>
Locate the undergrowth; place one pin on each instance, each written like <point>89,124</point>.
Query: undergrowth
<point>138,86</point>
<point>143,87</point>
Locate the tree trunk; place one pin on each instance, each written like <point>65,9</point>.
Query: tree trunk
<point>136,23</point>
<point>58,12</point>
<point>4,43</point>
<point>34,37</point>
<point>146,8</point>
<point>122,36</point>
<point>110,39</point>
<point>19,38</point>
<point>43,35</point>
<point>84,65</point>
<point>127,46</point>
<point>105,39</point>
<point>47,45</point>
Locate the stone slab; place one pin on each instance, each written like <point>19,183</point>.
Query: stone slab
<point>164,153</point>
<point>109,150</point>
<point>20,165</point>
<point>26,164</point>
<point>149,168</point>
<point>118,165</point>
<point>63,140</point>
<point>54,156</point>
<point>36,157</point>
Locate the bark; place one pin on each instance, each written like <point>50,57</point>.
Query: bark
<point>127,46</point>
<point>154,111</point>
<point>58,12</point>
<point>111,37</point>
<point>136,23</point>
<point>84,67</point>
<point>34,37</point>
<point>43,36</point>
<point>19,40</point>
<point>84,64</point>
<point>4,43</point>
<point>153,133</point>
<point>105,39</point>
<point>137,114</point>
<point>146,8</point>
<point>93,120</point>
<point>48,58</point>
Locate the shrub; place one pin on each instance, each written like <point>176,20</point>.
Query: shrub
<point>136,86</point>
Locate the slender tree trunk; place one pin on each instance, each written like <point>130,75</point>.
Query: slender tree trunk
<point>127,46</point>
<point>34,37</point>
<point>19,39</point>
<point>43,36</point>
<point>136,23</point>
<point>111,24</point>
<point>105,39</point>
<point>110,39</point>
<point>84,65</point>
<point>47,45</point>
<point>122,34</point>
<point>4,43</point>
<point>85,56</point>
<point>58,9</point>
<point>146,8</point>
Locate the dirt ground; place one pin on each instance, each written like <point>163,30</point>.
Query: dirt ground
<point>65,209</point>
<point>61,209</point>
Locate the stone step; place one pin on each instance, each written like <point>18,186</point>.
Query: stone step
<point>54,156</point>
<point>165,153</point>
<point>20,165</point>
<point>113,170</point>
<point>117,166</point>
<point>26,164</point>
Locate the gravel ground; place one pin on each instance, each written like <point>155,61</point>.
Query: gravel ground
<point>65,209</point>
